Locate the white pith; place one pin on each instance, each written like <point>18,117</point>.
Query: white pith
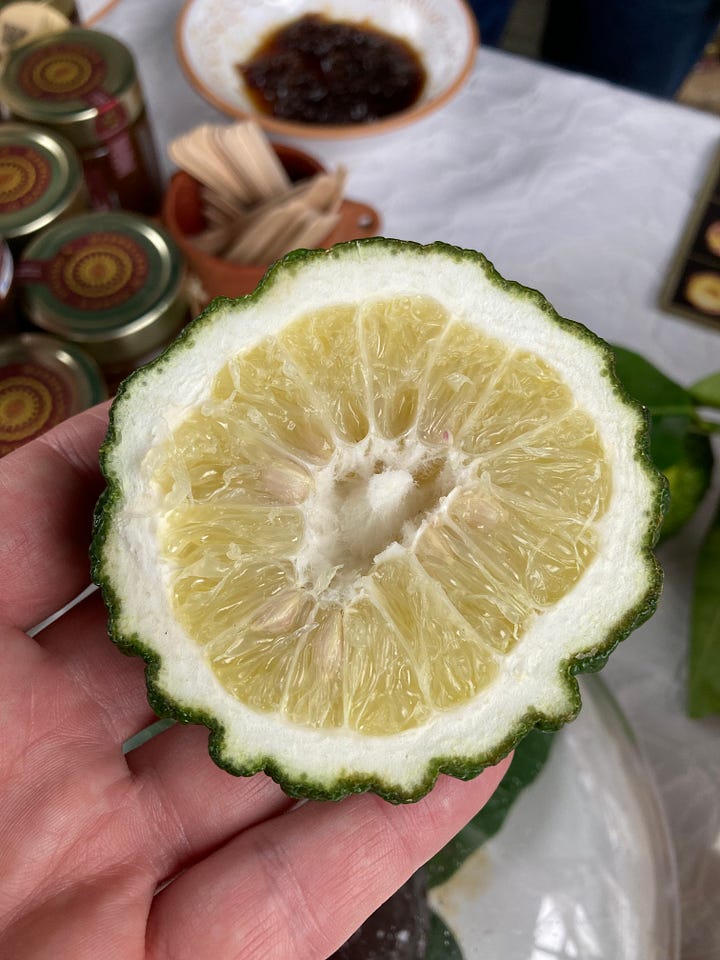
<point>348,524</point>
<point>531,680</point>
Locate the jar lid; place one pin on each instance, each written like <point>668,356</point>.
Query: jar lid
<point>81,81</point>
<point>25,20</point>
<point>109,281</point>
<point>40,177</point>
<point>42,382</point>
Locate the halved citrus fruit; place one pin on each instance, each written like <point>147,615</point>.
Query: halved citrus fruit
<point>368,522</point>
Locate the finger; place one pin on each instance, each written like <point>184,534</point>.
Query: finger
<point>197,806</point>
<point>104,688</point>
<point>48,489</point>
<point>299,885</point>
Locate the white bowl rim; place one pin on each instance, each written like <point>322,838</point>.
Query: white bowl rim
<point>293,128</point>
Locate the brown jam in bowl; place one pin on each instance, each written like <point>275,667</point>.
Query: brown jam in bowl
<point>321,71</point>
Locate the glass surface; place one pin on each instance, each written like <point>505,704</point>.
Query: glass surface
<point>583,866</point>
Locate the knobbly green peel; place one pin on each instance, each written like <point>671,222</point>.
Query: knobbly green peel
<point>166,704</point>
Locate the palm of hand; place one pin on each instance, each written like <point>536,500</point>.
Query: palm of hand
<point>89,836</point>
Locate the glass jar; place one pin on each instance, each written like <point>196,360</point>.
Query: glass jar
<point>83,84</point>
<point>111,283</point>
<point>8,317</point>
<point>42,382</point>
<point>41,181</point>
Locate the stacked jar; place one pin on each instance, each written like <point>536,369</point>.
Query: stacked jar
<point>41,182</point>
<point>83,85</point>
<point>111,284</point>
<point>43,380</point>
<point>100,293</point>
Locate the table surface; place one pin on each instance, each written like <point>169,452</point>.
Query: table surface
<point>580,189</point>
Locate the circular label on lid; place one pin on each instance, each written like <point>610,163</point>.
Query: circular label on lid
<point>98,271</point>
<point>63,71</point>
<point>25,176</point>
<point>32,399</point>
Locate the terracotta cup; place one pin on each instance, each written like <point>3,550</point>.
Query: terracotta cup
<point>182,215</point>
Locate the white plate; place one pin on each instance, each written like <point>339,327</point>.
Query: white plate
<point>213,36</point>
<point>583,868</point>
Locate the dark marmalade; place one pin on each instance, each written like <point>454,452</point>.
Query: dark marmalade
<point>320,71</point>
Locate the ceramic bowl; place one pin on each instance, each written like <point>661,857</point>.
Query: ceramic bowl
<point>182,215</point>
<point>213,36</point>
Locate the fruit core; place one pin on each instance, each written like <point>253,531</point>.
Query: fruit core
<point>371,496</point>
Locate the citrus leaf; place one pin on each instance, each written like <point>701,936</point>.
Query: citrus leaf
<point>704,663</point>
<point>442,945</point>
<point>689,479</point>
<point>529,759</point>
<point>661,395</point>
<point>706,392</point>
<point>667,439</point>
<point>677,447</point>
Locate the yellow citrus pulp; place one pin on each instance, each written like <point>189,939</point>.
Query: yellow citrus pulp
<point>370,508</point>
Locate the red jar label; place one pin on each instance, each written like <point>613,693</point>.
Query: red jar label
<point>24,177</point>
<point>98,271</point>
<point>63,71</point>
<point>32,400</point>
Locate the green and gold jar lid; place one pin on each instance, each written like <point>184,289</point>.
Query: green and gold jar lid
<point>82,83</point>
<point>41,180</point>
<point>111,282</point>
<point>43,381</point>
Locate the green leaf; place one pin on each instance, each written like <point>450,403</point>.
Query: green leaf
<point>530,756</point>
<point>661,395</point>
<point>678,445</point>
<point>706,392</point>
<point>704,661</point>
<point>667,439</point>
<point>689,479</point>
<point>441,945</point>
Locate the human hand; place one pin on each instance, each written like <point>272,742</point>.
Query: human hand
<point>88,835</point>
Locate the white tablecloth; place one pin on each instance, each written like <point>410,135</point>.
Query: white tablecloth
<point>581,190</point>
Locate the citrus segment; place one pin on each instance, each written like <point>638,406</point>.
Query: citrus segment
<point>401,501</point>
<point>526,395</point>
<point>267,393</point>
<point>456,662</point>
<point>314,692</point>
<point>396,363</point>
<point>326,349</point>
<point>462,374</point>
<point>384,680</point>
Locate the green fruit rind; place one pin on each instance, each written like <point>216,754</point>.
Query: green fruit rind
<point>241,758</point>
